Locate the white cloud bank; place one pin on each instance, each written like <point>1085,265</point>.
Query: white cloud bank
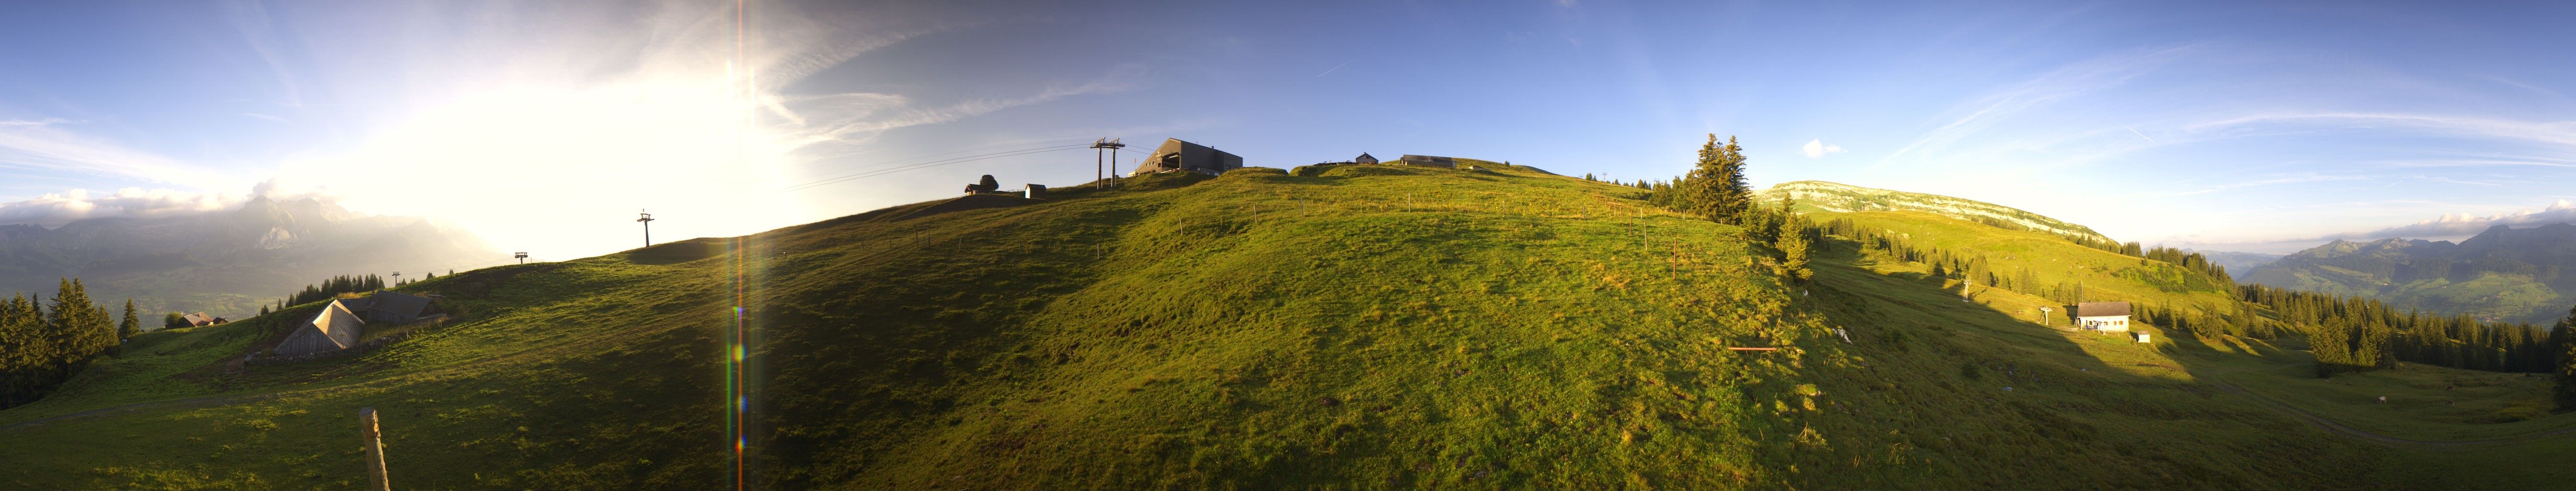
<point>2463,224</point>
<point>55,209</point>
<point>1816,149</point>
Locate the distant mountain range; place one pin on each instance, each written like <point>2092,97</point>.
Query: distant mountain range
<point>2239,261</point>
<point>1837,197</point>
<point>2502,273</point>
<point>226,263</point>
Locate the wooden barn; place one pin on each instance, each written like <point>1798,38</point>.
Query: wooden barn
<point>336,328</point>
<point>2103,316</point>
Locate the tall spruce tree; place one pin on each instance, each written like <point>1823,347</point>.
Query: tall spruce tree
<point>2563,345</point>
<point>131,324</point>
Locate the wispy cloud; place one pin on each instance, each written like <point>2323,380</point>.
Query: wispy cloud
<point>1329,71</point>
<point>2558,133</point>
<point>2065,83</point>
<point>2293,179</point>
<point>858,117</point>
<point>42,144</point>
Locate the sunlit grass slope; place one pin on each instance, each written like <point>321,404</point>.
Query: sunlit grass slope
<point>1354,327</point>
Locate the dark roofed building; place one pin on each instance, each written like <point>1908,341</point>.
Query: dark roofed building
<point>398,308</point>
<point>1176,155</point>
<point>1428,161</point>
<point>1364,159</point>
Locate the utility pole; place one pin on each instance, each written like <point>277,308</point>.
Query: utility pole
<point>375,450</point>
<point>397,278</point>
<point>647,220</point>
<point>1100,171</point>
<point>523,257</point>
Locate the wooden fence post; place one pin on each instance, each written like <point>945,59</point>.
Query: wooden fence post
<point>375,450</point>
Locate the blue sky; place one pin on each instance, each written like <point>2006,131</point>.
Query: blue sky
<point>544,125</point>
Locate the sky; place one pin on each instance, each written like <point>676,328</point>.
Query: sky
<point>545,126</point>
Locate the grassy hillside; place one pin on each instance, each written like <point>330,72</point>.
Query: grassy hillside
<point>1843,198</point>
<point>1348,327</point>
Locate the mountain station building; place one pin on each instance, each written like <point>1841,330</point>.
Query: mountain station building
<point>1176,155</point>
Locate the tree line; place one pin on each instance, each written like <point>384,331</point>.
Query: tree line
<point>2351,334</point>
<point>330,288</point>
<point>44,343</point>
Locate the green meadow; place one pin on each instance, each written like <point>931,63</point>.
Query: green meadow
<point>1343,327</point>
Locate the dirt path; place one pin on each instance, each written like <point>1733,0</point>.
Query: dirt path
<point>2312,419</point>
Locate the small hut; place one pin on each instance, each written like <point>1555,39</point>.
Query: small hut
<point>1364,159</point>
<point>199,319</point>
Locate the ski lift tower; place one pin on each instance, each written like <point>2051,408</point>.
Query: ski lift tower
<point>522,257</point>
<point>647,220</point>
<point>1100,171</point>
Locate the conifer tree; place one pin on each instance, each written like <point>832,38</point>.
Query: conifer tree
<point>131,324</point>
<point>1716,187</point>
<point>1793,248</point>
<point>2563,346</point>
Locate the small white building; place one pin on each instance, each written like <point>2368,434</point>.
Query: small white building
<point>2103,316</point>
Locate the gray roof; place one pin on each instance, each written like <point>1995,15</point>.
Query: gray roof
<point>385,305</point>
<point>2101,309</point>
<point>198,318</point>
<point>1190,156</point>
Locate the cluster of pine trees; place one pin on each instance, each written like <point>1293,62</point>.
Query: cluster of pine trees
<point>1715,189</point>
<point>2188,260</point>
<point>43,344</point>
<point>330,288</point>
<point>2350,334</point>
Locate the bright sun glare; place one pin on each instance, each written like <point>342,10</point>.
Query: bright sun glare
<point>561,171</point>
